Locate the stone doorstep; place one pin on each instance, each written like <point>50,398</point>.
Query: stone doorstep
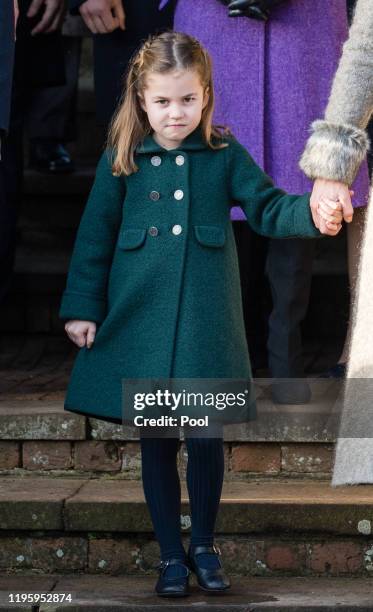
<point>93,593</point>
<point>26,419</point>
<point>39,420</point>
<point>91,505</point>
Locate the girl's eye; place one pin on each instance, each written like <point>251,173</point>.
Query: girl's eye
<point>162,102</point>
<point>189,99</point>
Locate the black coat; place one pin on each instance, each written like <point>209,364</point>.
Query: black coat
<point>112,52</point>
<point>6,59</point>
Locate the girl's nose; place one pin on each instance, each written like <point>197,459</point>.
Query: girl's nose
<point>175,112</point>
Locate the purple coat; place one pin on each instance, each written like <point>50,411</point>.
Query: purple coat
<point>272,80</point>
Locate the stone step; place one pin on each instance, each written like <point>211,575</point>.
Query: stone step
<point>89,593</point>
<point>264,528</point>
<point>38,436</point>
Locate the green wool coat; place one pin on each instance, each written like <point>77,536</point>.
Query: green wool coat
<point>155,266</point>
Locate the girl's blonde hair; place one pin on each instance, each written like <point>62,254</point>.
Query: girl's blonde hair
<point>129,126</point>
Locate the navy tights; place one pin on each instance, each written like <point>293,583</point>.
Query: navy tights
<point>205,471</point>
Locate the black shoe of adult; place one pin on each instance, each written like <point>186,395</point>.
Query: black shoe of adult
<point>337,371</point>
<point>294,391</point>
<point>209,579</point>
<point>50,157</point>
<point>172,586</point>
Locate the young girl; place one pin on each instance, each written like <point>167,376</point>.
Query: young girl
<point>155,267</point>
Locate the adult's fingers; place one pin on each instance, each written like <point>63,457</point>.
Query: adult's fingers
<point>34,8</point>
<point>56,22</point>
<point>333,229</point>
<point>119,14</point>
<point>332,209</point>
<point>324,215</point>
<point>46,20</point>
<point>99,25</point>
<point>88,21</point>
<point>108,22</point>
<point>91,336</point>
<point>348,211</point>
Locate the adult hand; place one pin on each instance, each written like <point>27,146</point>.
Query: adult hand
<point>51,18</point>
<point>103,16</point>
<point>257,9</point>
<point>333,190</point>
<point>16,15</point>
<point>81,332</point>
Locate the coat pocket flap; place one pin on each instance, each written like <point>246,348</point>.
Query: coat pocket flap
<point>210,235</point>
<point>131,238</point>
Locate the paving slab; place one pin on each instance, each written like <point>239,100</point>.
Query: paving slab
<point>13,584</point>
<point>35,503</point>
<point>90,593</point>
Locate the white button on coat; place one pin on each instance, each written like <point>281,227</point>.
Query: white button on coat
<point>179,194</point>
<point>179,159</point>
<point>156,160</point>
<point>177,229</point>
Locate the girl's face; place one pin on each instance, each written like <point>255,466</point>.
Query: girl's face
<point>173,102</point>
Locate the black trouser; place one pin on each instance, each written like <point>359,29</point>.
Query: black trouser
<point>51,113</point>
<point>112,52</point>
<point>276,325</point>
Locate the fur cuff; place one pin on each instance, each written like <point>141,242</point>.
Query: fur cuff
<point>334,151</point>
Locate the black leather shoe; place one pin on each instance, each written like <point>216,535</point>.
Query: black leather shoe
<point>291,391</point>
<point>50,157</point>
<point>172,586</point>
<point>209,579</point>
<point>337,371</point>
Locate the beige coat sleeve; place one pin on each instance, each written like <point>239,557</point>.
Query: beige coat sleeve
<point>338,144</point>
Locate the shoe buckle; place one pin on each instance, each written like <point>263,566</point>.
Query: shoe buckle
<point>163,564</point>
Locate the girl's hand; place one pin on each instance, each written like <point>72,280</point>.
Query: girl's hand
<point>81,332</point>
<point>333,190</point>
<point>331,216</point>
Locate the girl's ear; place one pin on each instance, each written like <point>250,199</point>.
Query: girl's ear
<point>206,97</point>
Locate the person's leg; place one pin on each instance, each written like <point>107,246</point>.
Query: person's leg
<point>355,231</point>
<point>51,115</point>
<point>205,473</point>
<point>252,254</point>
<point>289,268</point>
<point>11,175</point>
<point>161,485</point>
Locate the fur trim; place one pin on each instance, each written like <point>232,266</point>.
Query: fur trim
<point>334,151</point>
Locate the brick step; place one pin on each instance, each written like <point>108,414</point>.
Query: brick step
<point>264,528</point>
<point>38,435</point>
<point>128,593</point>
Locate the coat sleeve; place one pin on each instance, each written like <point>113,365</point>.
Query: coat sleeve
<point>270,211</point>
<point>85,296</point>
<point>338,144</point>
